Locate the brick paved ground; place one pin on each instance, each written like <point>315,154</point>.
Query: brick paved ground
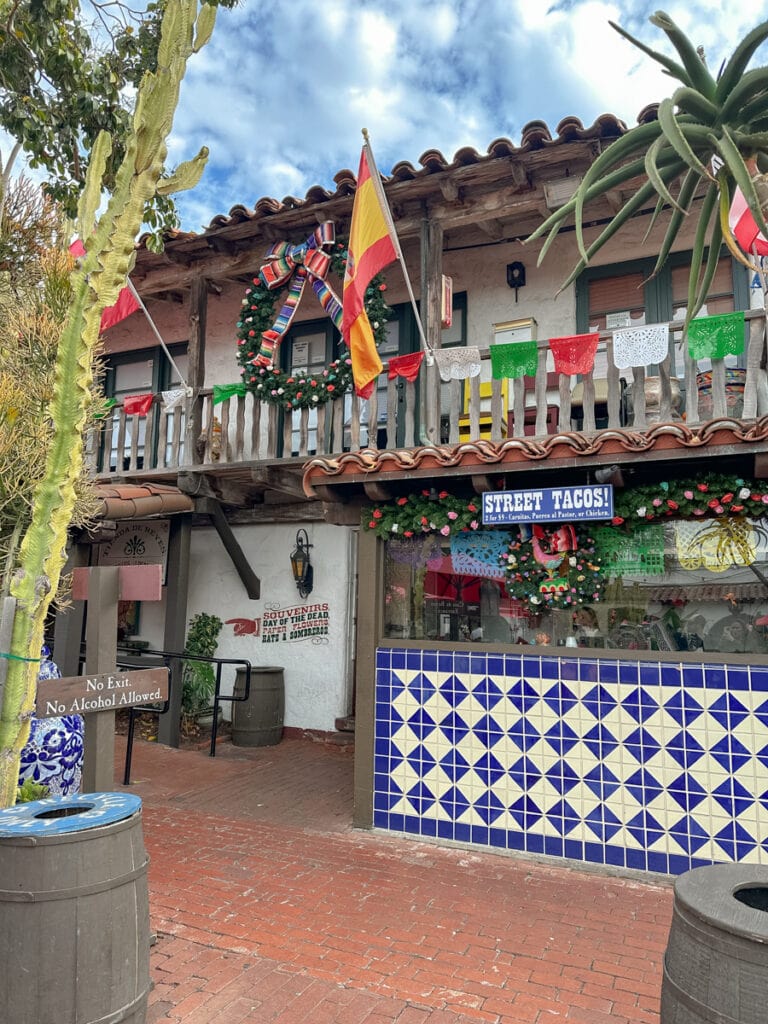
<point>270,908</point>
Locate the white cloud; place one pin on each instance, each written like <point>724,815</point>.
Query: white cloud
<point>280,99</point>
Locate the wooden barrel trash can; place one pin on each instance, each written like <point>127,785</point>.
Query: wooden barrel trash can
<point>258,721</point>
<point>716,962</point>
<point>74,911</point>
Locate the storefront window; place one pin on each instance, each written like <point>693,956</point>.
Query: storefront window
<point>677,585</point>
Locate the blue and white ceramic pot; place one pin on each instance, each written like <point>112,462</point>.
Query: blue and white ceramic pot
<point>53,755</point>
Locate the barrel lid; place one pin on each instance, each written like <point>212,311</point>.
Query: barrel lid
<point>715,893</point>
<point>57,815</point>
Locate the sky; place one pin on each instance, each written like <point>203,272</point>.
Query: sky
<point>281,93</point>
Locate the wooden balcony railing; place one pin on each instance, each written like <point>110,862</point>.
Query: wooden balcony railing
<point>241,429</point>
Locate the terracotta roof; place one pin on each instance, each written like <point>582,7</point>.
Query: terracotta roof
<point>482,457</point>
<point>138,501</point>
<point>535,135</point>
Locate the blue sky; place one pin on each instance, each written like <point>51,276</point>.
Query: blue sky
<point>282,91</point>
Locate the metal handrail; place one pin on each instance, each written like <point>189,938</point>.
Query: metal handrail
<point>129,661</point>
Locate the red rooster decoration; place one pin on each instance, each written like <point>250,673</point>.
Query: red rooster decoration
<point>550,549</point>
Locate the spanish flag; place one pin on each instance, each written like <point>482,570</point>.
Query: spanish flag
<point>372,246</point>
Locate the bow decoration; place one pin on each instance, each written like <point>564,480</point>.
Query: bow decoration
<point>294,265</point>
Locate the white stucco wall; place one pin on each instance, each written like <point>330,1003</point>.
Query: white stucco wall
<point>317,669</point>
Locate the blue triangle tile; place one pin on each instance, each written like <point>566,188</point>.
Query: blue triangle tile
<point>562,776</point>
<point>735,841</point>
<point>689,834</point>
<point>639,704</point>
<point>420,797</point>
<point>421,723</point>
<point>645,828</point>
<point>683,707</point>
<point>397,684</point>
<point>489,769</point>
<point>600,741</point>
<point>454,765</point>
<point>685,750</point>
<point>642,744</point>
<point>487,693</point>
<point>525,812</point>
<point>730,754</point>
<point>489,807</point>
<point>560,698</point>
<point>453,691</point>
<point>561,738</point>
<point>601,781</point>
<point>488,730</point>
<point>643,786</point>
<point>421,687</point>
<point>733,797</point>
<point>384,800</point>
<point>687,791</point>
<point>524,735</point>
<point>453,727</point>
<point>603,822</point>
<point>601,696</point>
<point>731,706</point>
<point>522,696</point>
<point>525,769</point>
<point>453,802</point>
<point>563,817</point>
<point>420,759</point>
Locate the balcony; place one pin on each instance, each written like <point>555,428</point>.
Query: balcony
<point>245,447</point>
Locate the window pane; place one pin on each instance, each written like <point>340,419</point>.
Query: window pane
<point>680,585</point>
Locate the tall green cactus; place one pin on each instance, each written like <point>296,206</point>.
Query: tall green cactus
<point>109,245</point>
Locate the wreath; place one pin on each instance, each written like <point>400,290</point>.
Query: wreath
<point>299,391</point>
<point>555,566</point>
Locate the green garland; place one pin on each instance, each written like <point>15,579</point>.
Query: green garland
<point>301,391</point>
<point>429,512</point>
<point>715,495</point>
<point>576,580</point>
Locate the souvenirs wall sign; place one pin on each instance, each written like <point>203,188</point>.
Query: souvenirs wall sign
<point>548,504</point>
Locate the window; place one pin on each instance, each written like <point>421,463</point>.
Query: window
<point>675,585</point>
<point>625,295</point>
<point>136,373</point>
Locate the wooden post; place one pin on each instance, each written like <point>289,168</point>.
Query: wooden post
<point>169,731</point>
<point>369,618</point>
<point>431,295</point>
<point>101,654</point>
<point>198,312</point>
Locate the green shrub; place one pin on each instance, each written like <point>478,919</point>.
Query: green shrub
<point>198,677</point>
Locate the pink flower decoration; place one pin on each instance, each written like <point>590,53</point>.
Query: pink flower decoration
<point>453,515</point>
<point>474,524</point>
<point>656,502</point>
<point>445,530</point>
<point>689,495</point>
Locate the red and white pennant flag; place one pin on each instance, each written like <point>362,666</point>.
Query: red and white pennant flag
<point>126,300</point>
<point>744,228</point>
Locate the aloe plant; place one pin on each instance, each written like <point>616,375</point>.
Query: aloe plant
<point>109,255</point>
<point>711,136</point>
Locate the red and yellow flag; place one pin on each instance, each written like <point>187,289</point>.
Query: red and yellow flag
<point>371,248</point>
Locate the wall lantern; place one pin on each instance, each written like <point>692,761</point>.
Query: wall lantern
<point>300,564</point>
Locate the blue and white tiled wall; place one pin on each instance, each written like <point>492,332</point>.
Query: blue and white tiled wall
<point>630,764</point>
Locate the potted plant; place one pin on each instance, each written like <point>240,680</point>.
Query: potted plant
<point>198,677</point>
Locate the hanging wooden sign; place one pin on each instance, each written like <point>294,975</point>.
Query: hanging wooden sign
<point>107,691</point>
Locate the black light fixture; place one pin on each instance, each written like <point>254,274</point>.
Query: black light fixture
<point>300,564</point>
<point>516,276</point>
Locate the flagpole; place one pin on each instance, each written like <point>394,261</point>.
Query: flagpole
<point>158,335</point>
<point>377,184</point>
